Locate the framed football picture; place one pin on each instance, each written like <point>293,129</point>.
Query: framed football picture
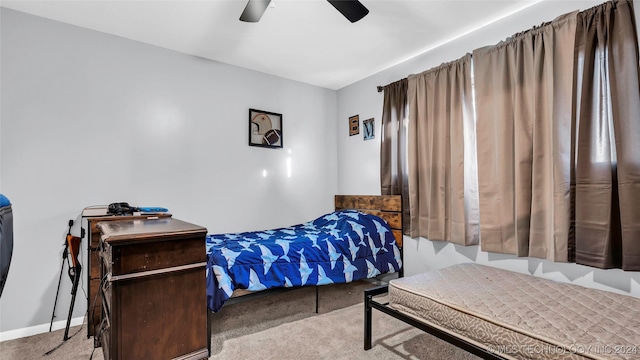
<point>265,129</point>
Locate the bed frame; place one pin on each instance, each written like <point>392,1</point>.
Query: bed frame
<point>370,303</point>
<point>389,207</point>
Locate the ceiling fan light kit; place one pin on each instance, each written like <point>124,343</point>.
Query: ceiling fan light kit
<point>353,10</point>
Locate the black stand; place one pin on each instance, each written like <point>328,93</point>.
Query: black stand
<point>64,257</point>
<point>72,244</point>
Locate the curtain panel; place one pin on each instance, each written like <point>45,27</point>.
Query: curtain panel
<point>524,88</point>
<point>442,196</point>
<point>393,146</point>
<point>607,184</point>
<point>556,174</point>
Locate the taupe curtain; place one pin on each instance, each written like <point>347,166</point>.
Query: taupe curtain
<point>393,147</point>
<point>440,108</point>
<point>524,89</point>
<point>608,138</point>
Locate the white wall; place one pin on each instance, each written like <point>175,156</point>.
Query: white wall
<point>88,118</point>
<point>359,167</point>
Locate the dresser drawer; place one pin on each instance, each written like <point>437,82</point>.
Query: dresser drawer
<point>130,259</point>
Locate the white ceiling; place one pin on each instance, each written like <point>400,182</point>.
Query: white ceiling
<point>303,40</point>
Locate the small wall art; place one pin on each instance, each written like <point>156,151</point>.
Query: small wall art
<point>368,128</point>
<point>354,125</point>
<point>265,129</point>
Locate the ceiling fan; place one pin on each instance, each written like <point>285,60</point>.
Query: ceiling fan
<point>353,10</point>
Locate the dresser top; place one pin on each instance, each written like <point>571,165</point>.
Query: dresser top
<point>141,229</point>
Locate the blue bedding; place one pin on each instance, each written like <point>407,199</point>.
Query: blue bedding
<point>338,247</point>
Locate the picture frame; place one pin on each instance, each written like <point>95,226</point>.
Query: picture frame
<point>368,127</point>
<point>354,125</point>
<point>265,129</point>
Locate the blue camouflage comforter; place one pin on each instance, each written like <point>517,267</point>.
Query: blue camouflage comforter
<point>339,247</point>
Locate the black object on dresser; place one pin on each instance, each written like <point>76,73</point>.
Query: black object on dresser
<point>153,290</point>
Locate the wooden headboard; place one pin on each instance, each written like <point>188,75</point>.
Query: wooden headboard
<point>387,207</point>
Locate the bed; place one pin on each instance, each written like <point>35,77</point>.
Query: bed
<point>360,239</point>
<point>499,314</point>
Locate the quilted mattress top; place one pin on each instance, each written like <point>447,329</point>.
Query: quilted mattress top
<point>567,315</point>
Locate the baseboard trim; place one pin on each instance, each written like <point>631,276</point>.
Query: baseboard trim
<point>38,329</point>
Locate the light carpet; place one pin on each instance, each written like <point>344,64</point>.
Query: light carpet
<point>278,326</point>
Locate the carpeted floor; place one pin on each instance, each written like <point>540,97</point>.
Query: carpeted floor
<point>278,326</point>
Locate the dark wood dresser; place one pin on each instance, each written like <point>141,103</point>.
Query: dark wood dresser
<point>94,301</point>
<point>154,290</point>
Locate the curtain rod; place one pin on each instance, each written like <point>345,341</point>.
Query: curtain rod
<point>381,88</point>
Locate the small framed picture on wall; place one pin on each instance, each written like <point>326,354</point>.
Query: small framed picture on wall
<point>354,125</point>
<point>265,129</point>
<point>367,129</point>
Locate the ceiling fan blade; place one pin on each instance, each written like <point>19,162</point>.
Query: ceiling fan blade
<point>353,10</point>
<point>254,10</point>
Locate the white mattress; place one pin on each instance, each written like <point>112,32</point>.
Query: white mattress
<point>521,316</point>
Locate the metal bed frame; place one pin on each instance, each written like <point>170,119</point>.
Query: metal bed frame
<point>370,303</point>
